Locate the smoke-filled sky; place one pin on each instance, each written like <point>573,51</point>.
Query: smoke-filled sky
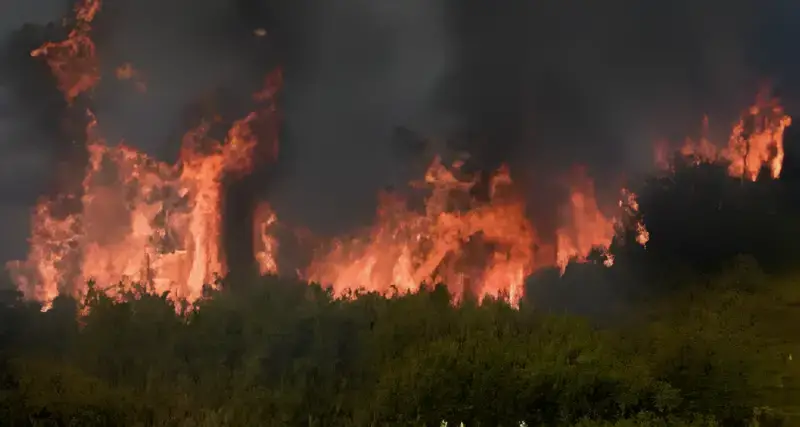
<point>540,84</point>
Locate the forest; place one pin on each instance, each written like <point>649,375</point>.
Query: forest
<point>698,329</point>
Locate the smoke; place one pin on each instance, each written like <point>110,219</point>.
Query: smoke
<point>355,69</point>
<point>365,68</point>
<point>540,84</point>
<point>25,11</point>
<point>544,85</point>
<point>193,58</point>
<point>23,156</point>
<point>597,82</point>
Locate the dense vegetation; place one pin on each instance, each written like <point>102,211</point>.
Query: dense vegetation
<point>283,353</point>
<point>710,343</point>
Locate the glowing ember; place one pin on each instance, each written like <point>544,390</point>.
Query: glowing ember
<point>127,72</point>
<point>631,207</point>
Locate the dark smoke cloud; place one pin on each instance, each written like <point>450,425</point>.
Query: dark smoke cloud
<point>552,83</point>
<point>365,68</point>
<point>24,160</point>
<point>541,84</point>
<point>188,53</point>
<point>17,12</point>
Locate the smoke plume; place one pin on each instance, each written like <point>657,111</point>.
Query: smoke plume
<point>542,85</point>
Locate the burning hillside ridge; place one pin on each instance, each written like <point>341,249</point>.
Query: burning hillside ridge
<point>754,145</point>
<point>137,219</point>
<point>484,248</point>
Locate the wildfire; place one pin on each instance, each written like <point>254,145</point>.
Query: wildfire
<point>586,228</point>
<point>406,248</point>
<point>137,219</point>
<point>140,220</point>
<point>484,248</point>
<point>630,206</point>
<point>755,143</point>
<point>73,61</point>
<point>265,245</point>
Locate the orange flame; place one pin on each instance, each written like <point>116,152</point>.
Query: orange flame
<point>73,61</point>
<point>141,220</point>
<point>755,143</point>
<point>586,228</point>
<point>407,248</point>
<point>631,207</point>
<point>265,245</point>
<point>485,248</point>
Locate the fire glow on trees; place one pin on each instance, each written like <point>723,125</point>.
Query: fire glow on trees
<point>142,220</point>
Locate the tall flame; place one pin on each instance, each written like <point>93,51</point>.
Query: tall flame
<point>140,219</point>
<point>484,248</point>
<point>137,219</point>
<point>755,143</point>
<point>586,228</point>
<point>406,248</point>
<point>265,245</point>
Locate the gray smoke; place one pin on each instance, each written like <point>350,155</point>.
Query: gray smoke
<point>365,68</point>
<point>24,160</point>
<point>540,84</point>
<point>553,83</point>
